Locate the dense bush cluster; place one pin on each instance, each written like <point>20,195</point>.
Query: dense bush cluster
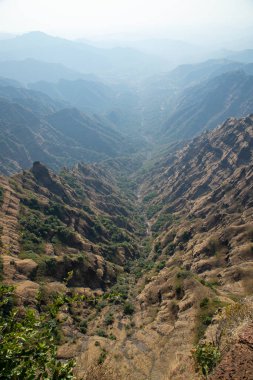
<point>206,356</point>
<point>28,342</point>
<point>36,230</point>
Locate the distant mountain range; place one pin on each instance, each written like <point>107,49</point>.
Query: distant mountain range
<point>189,75</point>
<point>37,102</point>
<point>118,103</point>
<point>209,103</point>
<point>124,63</point>
<point>34,127</point>
<point>245,56</point>
<point>171,101</point>
<point>48,113</point>
<point>31,70</point>
<point>86,95</point>
<point>174,52</point>
<point>71,116</point>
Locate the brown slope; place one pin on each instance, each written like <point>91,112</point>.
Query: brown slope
<point>200,211</point>
<point>78,220</point>
<point>8,218</point>
<point>199,203</point>
<point>200,208</point>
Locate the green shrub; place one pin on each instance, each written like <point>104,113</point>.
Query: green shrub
<point>149,197</point>
<point>28,343</point>
<point>32,203</point>
<point>164,219</point>
<point>129,309</point>
<point>109,319</point>
<point>179,290</point>
<point>73,183</point>
<point>153,209</point>
<point>212,246</point>
<point>100,305</point>
<point>186,236</point>
<point>56,209</point>
<point>206,356</point>
<point>83,327</point>
<point>1,232</point>
<point>101,332</point>
<point>160,265</point>
<point>183,274</point>
<point>121,288</point>
<point>209,284</point>
<point>207,320</point>
<point>158,248</point>
<point>36,229</point>
<point>170,249</point>
<point>117,235</point>
<point>204,302</point>
<point>102,356</point>
<point>207,309</point>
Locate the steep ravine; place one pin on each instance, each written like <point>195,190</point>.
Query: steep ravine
<point>164,246</point>
<point>198,264</point>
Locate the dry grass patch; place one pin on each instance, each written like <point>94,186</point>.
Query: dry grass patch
<point>234,317</point>
<point>101,372</point>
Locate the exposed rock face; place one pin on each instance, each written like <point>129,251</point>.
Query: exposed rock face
<point>237,363</point>
<point>48,180</point>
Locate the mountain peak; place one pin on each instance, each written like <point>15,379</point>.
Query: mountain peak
<point>35,34</point>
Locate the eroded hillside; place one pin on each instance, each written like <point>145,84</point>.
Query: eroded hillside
<point>79,220</point>
<point>200,211</point>
<point>160,253</point>
<point>196,263</point>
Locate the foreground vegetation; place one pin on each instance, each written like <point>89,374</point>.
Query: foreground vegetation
<point>29,341</point>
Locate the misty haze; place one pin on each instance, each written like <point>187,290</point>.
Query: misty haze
<point>126,202</point>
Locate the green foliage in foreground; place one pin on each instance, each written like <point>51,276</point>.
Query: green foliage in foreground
<point>28,343</point>
<point>206,356</point>
<point>207,309</point>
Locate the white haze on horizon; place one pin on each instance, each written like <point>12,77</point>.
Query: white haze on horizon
<point>203,21</point>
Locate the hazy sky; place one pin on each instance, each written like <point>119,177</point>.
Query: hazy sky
<point>84,18</point>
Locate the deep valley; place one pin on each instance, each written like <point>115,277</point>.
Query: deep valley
<point>126,215</point>
<point>159,238</point>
